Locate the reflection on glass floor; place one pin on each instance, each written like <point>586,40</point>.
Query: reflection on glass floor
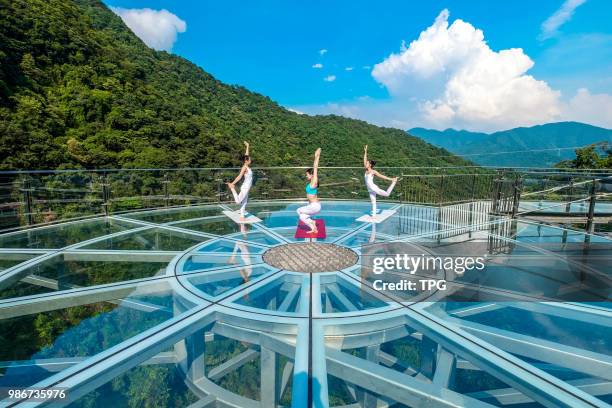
<point>176,307</point>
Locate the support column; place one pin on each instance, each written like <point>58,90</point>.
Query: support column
<point>196,353</point>
<point>269,378</point>
<point>369,399</point>
<point>428,351</point>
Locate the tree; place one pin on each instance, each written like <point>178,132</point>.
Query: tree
<point>596,156</point>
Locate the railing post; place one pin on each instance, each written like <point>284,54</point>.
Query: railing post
<point>441,191</point>
<point>27,200</point>
<point>517,196</point>
<point>496,194</point>
<point>166,190</point>
<point>265,186</point>
<point>593,197</point>
<point>568,206</point>
<point>473,192</point>
<point>471,206</point>
<point>219,183</point>
<point>105,195</point>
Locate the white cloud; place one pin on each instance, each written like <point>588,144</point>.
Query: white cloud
<point>317,66</point>
<point>348,68</point>
<point>322,51</point>
<point>457,80</point>
<point>590,108</point>
<point>299,112</point>
<point>157,28</point>
<point>551,25</point>
<point>450,77</point>
<point>330,78</point>
<point>366,67</point>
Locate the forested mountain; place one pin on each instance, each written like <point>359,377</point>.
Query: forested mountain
<point>79,89</point>
<point>549,136</point>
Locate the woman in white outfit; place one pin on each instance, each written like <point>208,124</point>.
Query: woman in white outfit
<point>373,189</point>
<point>312,189</point>
<point>243,197</point>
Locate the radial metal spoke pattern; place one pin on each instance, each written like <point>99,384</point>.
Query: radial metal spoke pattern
<point>203,312</point>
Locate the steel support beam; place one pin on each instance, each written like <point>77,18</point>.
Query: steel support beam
<point>103,367</point>
<point>80,296</point>
<point>394,385</point>
<point>580,360</point>
<point>233,364</point>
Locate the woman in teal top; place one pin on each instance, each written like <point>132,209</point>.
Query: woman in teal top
<point>312,189</point>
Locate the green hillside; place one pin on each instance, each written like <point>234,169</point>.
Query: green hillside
<point>548,136</point>
<point>79,90</point>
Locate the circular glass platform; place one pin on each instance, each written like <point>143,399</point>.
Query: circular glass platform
<point>213,313</point>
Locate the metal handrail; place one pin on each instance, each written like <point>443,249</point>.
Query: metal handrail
<point>536,170</point>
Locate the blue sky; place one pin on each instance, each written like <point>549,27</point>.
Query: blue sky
<point>271,47</point>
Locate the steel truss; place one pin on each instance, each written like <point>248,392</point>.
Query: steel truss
<point>301,348</point>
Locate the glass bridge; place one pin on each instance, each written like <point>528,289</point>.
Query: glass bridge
<point>178,307</point>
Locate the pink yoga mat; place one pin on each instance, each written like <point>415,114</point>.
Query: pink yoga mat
<point>302,230</point>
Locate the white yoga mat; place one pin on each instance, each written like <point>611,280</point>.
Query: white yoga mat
<point>235,216</point>
<point>377,218</point>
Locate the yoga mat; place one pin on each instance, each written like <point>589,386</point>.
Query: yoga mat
<point>235,216</point>
<point>378,218</point>
<point>302,230</point>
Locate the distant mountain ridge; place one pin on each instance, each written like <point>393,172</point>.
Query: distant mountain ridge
<point>537,138</point>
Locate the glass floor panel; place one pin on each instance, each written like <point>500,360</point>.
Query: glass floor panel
<point>150,385</point>
<point>340,295</point>
<point>225,246</point>
<point>280,295</point>
<point>211,359</point>
<point>61,235</point>
<point>175,214</point>
<point>70,271</point>
<point>156,239</point>
<point>36,346</point>
<point>410,369</point>
<point>546,340</point>
<point>553,328</point>
<point>257,237</point>
<point>219,225</point>
<point>8,260</point>
<point>203,262</point>
<point>223,327</point>
<point>215,284</point>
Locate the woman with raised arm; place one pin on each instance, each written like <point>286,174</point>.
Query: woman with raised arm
<point>246,172</point>
<point>312,189</point>
<point>373,189</point>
